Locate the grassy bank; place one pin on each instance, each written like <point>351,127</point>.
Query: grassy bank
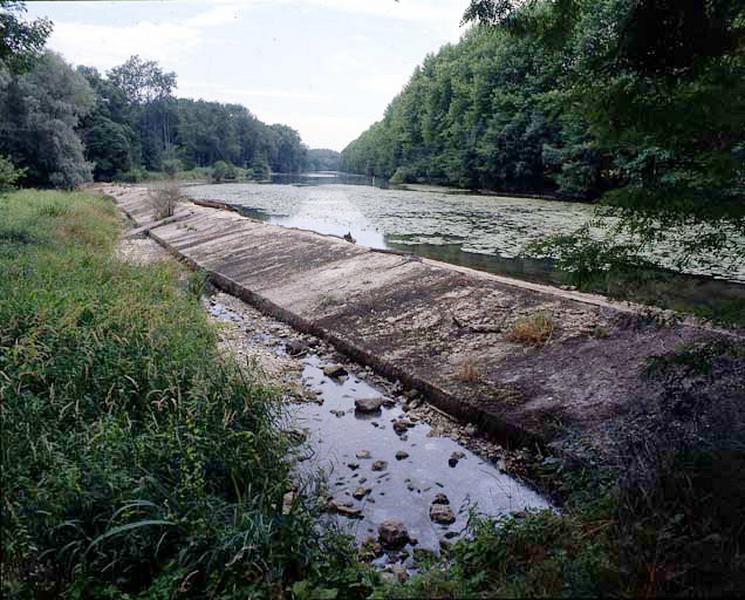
<point>134,462</point>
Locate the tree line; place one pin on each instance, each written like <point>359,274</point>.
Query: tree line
<point>576,98</point>
<point>61,126</point>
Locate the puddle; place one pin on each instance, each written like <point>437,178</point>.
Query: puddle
<point>347,448</point>
<point>407,487</point>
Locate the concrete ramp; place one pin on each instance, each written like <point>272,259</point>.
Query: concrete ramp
<point>448,331</point>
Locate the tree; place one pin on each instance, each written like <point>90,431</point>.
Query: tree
<point>40,111</point>
<point>21,42</point>
<point>107,146</point>
<point>147,90</point>
<point>142,81</point>
<point>662,86</point>
<point>222,171</point>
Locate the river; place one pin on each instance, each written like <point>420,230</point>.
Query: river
<point>485,232</point>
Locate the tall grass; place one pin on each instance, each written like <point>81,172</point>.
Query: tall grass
<point>133,460</point>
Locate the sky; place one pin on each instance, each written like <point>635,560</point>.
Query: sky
<point>328,68</point>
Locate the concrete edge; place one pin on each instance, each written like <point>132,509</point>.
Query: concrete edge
<point>456,407</point>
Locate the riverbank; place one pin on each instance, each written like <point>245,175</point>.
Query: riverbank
<point>135,460</point>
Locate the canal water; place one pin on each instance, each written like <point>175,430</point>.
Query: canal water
<point>390,464</point>
<point>484,232</point>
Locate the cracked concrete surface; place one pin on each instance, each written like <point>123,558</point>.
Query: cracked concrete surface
<point>427,323</point>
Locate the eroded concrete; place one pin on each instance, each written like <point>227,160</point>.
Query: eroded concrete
<point>442,329</point>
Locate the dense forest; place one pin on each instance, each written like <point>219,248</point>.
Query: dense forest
<point>575,98</point>
<point>322,159</point>
<point>61,126</point>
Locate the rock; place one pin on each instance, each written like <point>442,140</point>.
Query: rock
<point>470,430</point>
<point>296,348</point>
<point>389,403</point>
<point>353,465</point>
<point>287,501</point>
<point>401,455</point>
<point>454,458</point>
<point>348,237</point>
<point>423,554</point>
<point>411,394</point>
<point>379,465</point>
<point>361,492</point>
<point>334,371</point>
<point>363,454</point>
<point>392,534</point>
<point>401,426</point>
<point>441,499</point>
<point>442,514</point>
<point>338,413</point>
<point>449,535</point>
<point>339,507</point>
<point>368,405</point>
<point>415,403</point>
<point>399,572</point>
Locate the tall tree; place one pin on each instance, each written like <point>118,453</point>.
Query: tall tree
<point>40,111</point>
<point>21,41</point>
<point>148,89</point>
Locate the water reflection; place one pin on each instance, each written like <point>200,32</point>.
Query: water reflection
<point>482,232</point>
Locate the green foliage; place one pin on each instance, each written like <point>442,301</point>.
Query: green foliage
<point>39,112</point>
<point>21,41</point>
<point>402,175</point>
<point>322,159</point>
<point>259,168</point>
<point>222,171</point>
<point>488,112</point>
<point>172,167</point>
<point>108,146</point>
<point>638,102</point>
<point>9,174</point>
<point>134,461</point>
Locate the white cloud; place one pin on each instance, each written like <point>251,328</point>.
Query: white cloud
<point>114,44</point>
<point>326,67</point>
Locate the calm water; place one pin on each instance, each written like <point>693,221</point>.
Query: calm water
<point>405,488</point>
<point>483,232</point>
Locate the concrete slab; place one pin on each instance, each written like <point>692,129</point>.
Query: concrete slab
<point>448,331</point>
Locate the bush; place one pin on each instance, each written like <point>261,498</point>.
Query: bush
<point>535,329</point>
<point>9,174</point>
<point>164,199</point>
<point>402,175</point>
<point>172,167</point>
<point>134,175</point>
<point>222,171</point>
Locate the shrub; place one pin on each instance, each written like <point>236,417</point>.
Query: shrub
<point>9,174</point>
<point>402,175</point>
<point>134,175</point>
<point>222,171</point>
<point>172,167</point>
<point>164,199</point>
<point>535,329</point>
